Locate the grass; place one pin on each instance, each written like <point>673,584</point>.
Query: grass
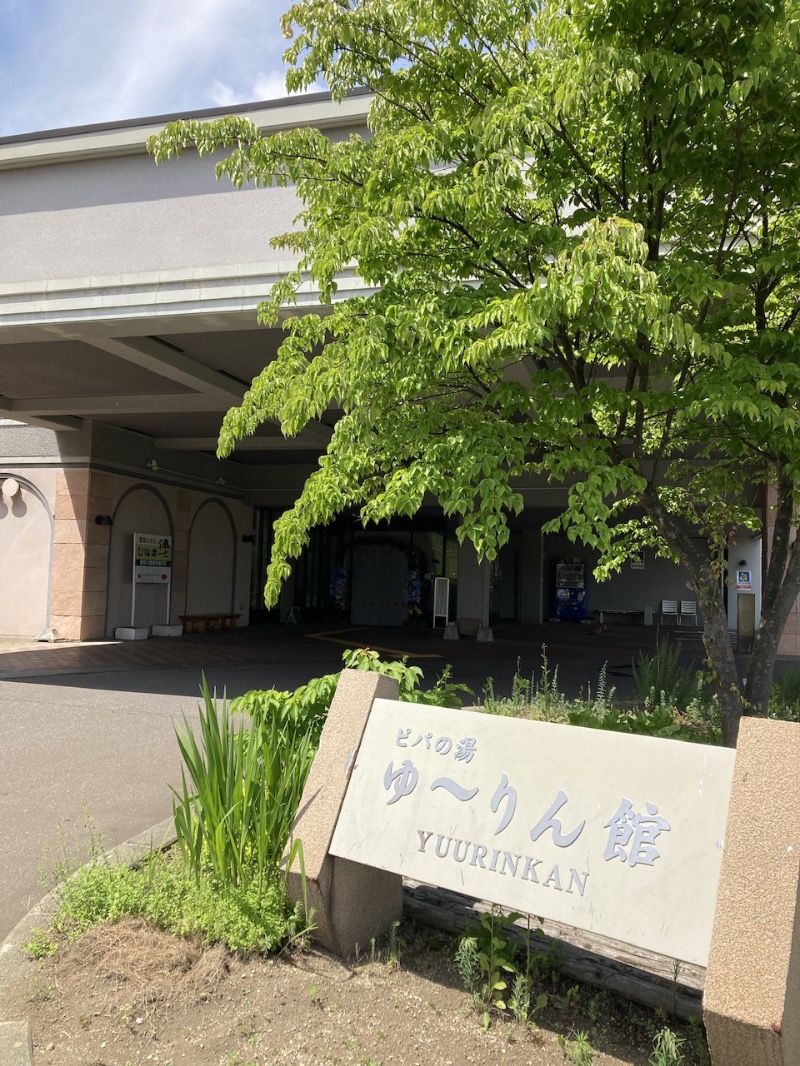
<point>255,917</point>
<point>680,710</point>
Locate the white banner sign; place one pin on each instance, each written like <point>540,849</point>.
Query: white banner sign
<point>615,834</point>
<point>152,559</point>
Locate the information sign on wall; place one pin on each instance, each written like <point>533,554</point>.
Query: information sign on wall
<point>616,834</point>
<point>152,559</point>
<point>744,581</point>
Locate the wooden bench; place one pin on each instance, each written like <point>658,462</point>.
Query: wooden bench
<point>213,623</point>
<point>642,614</point>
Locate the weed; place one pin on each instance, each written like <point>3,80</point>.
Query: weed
<point>393,950</point>
<point>572,997</point>
<point>468,963</point>
<point>579,1050</point>
<point>40,993</point>
<point>245,789</point>
<point>667,1048</point>
<point>662,676</point>
<point>41,945</point>
<point>697,1036</point>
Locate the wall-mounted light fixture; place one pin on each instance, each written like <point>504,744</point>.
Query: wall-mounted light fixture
<point>103,520</point>
<point>155,467</point>
<point>9,487</point>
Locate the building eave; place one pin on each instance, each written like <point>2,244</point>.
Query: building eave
<point>129,137</point>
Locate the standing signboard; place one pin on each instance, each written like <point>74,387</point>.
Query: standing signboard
<point>152,565</point>
<point>441,599</point>
<point>622,837</point>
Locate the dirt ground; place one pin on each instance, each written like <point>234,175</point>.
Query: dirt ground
<point>129,994</point>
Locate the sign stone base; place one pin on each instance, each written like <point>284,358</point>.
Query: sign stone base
<point>131,633</point>
<point>351,903</point>
<point>752,994</point>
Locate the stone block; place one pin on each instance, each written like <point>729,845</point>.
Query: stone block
<point>97,555</point>
<point>66,601</point>
<point>69,626</point>
<point>351,903</point>
<point>131,633</point>
<point>93,602</point>
<point>74,480</point>
<point>752,993</point>
<point>69,531</point>
<point>95,579</point>
<point>16,1044</point>
<point>69,561</point>
<point>102,485</point>
<point>93,627</point>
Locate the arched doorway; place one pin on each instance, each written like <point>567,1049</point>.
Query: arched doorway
<point>142,509</point>
<point>211,570</point>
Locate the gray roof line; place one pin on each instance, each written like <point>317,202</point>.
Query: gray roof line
<point>208,112</point>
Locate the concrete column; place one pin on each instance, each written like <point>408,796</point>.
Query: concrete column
<point>473,585</point>
<point>184,506</point>
<point>351,903</point>
<point>751,1004</point>
<point>80,554</point>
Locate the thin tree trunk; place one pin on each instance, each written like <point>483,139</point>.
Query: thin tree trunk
<point>719,652</point>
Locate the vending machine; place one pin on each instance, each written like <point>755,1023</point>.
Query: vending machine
<point>570,598</point>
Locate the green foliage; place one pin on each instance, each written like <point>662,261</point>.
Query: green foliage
<point>468,963</point>
<point>540,698</point>
<point>242,780</point>
<point>667,1048</point>
<point>663,675</point>
<point>579,1049</point>
<point>494,973</point>
<point>784,701</point>
<point>534,697</point>
<point>444,693</point>
<point>246,918</point>
<point>581,237</point>
<point>246,785</point>
<point>40,945</point>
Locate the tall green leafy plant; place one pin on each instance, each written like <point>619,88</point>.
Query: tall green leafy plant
<point>240,788</point>
<point>245,769</point>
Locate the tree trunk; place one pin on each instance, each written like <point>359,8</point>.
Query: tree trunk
<point>717,642</point>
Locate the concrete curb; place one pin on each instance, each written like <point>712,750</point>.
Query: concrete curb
<point>16,1042</point>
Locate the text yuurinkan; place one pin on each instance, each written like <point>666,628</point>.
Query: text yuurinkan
<point>501,862</point>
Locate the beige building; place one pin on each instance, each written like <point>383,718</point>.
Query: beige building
<point>128,297</point>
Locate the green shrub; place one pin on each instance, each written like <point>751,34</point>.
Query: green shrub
<point>242,782</point>
<point>661,678</point>
<point>784,702</point>
<point>246,918</point>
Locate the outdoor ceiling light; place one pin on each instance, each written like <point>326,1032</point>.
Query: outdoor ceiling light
<point>152,464</point>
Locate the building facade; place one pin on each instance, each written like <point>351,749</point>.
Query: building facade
<point>128,296</point>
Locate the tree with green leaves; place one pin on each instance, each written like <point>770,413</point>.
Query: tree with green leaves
<point>580,221</point>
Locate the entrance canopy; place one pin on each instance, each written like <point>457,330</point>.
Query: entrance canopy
<point>128,296</point>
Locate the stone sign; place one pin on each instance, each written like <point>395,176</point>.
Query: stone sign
<point>615,834</point>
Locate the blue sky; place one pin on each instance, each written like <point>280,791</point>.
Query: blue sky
<point>69,62</point>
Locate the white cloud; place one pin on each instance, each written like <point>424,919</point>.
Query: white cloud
<point>270,85</point>
<point>76,62</point>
